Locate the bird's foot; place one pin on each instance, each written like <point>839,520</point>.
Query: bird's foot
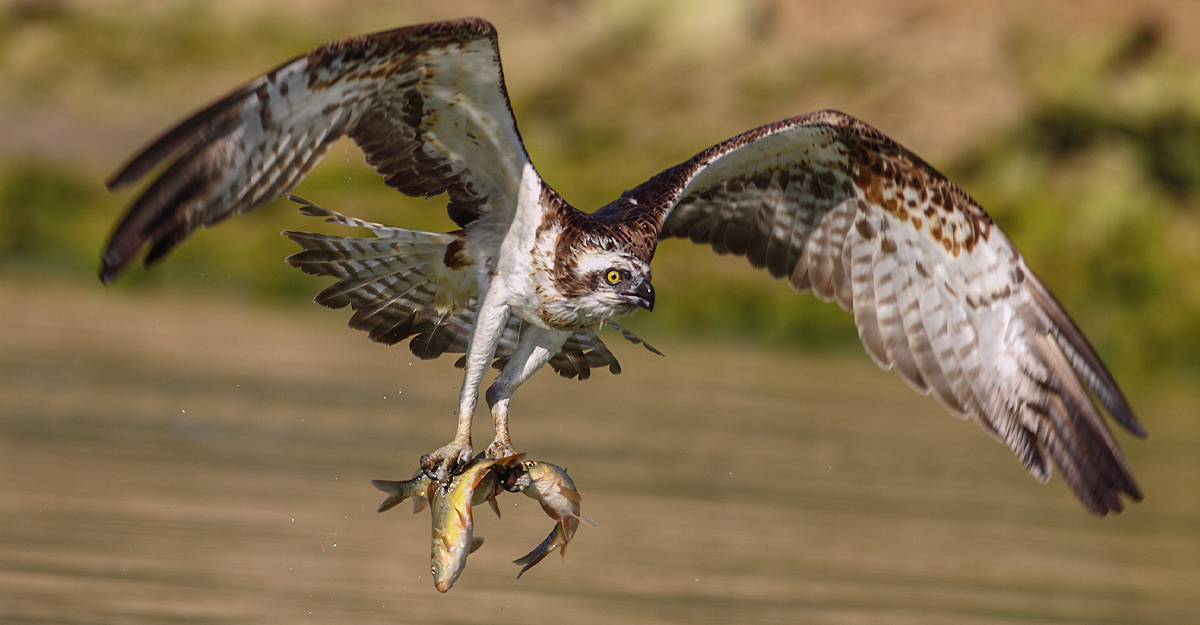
<point>499,449</point>
<point>446,462</point>
<point>509,476</point>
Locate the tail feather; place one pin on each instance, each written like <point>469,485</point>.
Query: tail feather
<point>401,284</point>
<point>341,293</point>
<point>406,284</point>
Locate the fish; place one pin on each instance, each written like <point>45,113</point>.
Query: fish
<point>453,523</point>
<point>555,491</point>
<point>418,488</point>
<point>551,486</point>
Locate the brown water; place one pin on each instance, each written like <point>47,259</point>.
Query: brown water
<point>183,461</point>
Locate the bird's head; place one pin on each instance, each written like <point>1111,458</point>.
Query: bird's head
<point>611,282</point>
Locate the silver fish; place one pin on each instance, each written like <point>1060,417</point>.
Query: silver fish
<point>555,491</point>
<point>551,486</point>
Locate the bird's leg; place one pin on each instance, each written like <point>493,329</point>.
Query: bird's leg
<point>490,319</point>
<point>535,347</point>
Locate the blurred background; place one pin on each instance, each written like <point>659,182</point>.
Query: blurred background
<point>191,443</point>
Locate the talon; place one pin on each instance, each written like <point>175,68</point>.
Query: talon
<point>509,476</point>
<point>446,462</point>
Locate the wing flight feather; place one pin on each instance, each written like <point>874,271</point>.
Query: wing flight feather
<point>427,104</point>
<point>938,292</point>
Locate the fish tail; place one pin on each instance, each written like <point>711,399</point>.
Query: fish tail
<point>399,491</point>
<point>395,493</point>
<point>554,540</point>
<point>530,559</point>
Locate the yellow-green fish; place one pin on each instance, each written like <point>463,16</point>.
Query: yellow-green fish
<point>553,489</point>
<point>453,522</point>
<point>418,488</point>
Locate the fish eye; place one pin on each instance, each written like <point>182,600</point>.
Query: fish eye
<point>433,569</point>
<point>614,276</point>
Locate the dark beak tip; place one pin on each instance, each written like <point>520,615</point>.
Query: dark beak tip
<point>646,295</point>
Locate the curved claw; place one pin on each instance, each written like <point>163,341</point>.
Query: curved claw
<point>444,463</point>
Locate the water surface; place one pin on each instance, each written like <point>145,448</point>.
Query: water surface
<point>166,460</point>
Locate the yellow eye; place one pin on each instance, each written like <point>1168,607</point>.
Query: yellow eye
<point>613,276</point>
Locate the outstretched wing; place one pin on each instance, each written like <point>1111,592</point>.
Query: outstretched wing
<point>938,291</point>
<point>427,104</point>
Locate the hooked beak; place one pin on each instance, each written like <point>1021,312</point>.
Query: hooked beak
<point>642,295</point>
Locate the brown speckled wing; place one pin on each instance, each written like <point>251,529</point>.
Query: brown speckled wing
<point>938,292</point>
<point>427,104</point>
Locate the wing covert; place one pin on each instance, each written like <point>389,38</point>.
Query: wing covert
<point>938,292</point>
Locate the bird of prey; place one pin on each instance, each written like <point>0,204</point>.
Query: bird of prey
<point>822,200</point>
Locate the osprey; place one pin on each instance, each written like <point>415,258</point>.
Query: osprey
<point>823,200</point>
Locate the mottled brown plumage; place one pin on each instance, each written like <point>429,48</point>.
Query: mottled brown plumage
<point>828,203</point>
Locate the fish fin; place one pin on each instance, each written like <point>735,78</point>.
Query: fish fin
<point>476,543</point>
<point>553,541</point>
<point>394,493</point>
<point>482,474</point>
<point>495,506</point>
<point>590,523</point>
<point>441,536</point>
<point>420,504</point>
<point>571,495</point>
<point>503,462</point>
<point>530,559</point>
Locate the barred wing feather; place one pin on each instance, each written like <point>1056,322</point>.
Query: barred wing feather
<point>938,292</point>
<point>399,285</point>
<point>427,104</point>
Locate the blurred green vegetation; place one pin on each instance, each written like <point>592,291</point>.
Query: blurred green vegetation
<point>1099,185</point>
<point>1097,180</point>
